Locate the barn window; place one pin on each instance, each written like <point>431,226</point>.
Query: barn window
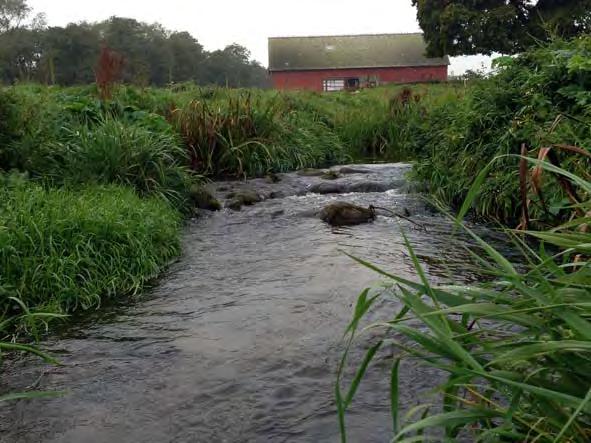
<point>334,84</point>
<point>353,83</point>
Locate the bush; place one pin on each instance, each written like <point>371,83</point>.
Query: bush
<point>539,98</point>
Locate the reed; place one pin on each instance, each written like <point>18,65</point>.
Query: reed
<point>513,352</point>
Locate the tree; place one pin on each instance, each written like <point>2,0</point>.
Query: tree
<point>186,55</point>
<point>69,54</point>
<point>12,14</point>
<point>463,27</point>
<point>152,55</point>
<point>232,67</point>
<point>20,38</point>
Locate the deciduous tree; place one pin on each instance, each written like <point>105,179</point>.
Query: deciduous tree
<point>462,27</point>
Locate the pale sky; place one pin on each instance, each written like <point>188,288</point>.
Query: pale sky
<point>217,23</point>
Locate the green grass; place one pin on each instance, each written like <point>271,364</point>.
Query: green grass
<point>68,249</point>
<point>514,352</point>
<point>63,250</point>
<point>221,132</point>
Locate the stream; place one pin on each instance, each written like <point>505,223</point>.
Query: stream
<point>241,338</point>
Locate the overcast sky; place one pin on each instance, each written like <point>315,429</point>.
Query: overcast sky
<point>217,23</point>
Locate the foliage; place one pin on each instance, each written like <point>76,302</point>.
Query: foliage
<point>513,352</point>
<point>153,55</point>
<point>12,14</point>
<point>539,98</point>
<point>248,136</point>
<point>62,250</point>
<point>117,152</point>
<point>461,27</point>
<point>74,140</point>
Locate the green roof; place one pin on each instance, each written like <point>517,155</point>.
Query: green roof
<point>349,51</point>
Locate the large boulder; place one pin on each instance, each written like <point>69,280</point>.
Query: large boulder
<point>346,214</point>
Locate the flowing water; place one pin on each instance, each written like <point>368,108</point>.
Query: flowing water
<point>240,341</point>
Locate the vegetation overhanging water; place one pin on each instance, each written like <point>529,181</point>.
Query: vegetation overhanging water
<point>109,181</point>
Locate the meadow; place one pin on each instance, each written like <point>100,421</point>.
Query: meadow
<point>95,187</point>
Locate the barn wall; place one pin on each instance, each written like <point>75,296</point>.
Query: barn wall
<point>312,80</point>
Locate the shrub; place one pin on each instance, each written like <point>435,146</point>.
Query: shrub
<point>539,98</point>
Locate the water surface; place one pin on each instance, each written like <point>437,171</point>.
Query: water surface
<point>240,340</point>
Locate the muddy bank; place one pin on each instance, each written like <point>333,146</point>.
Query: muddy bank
<point>240,341</point>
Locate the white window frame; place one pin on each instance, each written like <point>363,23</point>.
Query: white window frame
<point>334,84</point>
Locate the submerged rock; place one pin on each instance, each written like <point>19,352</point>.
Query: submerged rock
<point>346,214</point>
<point>310,172</point>
<point>330,175</point>
<point>203,199</point>
<point>345,188</point>
<point>245,197</point>
<point>272,178</point>
<point>365,187</point>
<point>328,188</point>
<point>353,170</point>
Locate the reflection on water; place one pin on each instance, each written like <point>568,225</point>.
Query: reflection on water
<point>239,343</point>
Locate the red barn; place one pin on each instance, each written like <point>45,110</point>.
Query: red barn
<point>334,63</point>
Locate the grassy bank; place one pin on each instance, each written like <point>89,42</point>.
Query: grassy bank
<point>513,352</point>
<point>68,249</point>
<point>63,250</point>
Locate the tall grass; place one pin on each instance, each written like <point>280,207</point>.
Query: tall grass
<point>63,250</point>
<point>112,152</point>
<point>223,132</point>
<point>244,135</point>
<point>69,249</point>
<point>540,98</point>
<point>514,353</point>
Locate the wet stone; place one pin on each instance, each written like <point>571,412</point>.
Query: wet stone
<point>353,170</point>
<point>365,187</point>
<point>273,178</point>
<point>328,188</point>
<point>330,175</point>
<point>346,214</point>
<point>203,199</point>
<point>242,198</point>
<point>309,172</point>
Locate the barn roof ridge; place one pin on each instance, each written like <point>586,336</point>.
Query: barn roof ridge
<point>378,34</point>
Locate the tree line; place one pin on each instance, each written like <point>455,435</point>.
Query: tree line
<point>32,51</point>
